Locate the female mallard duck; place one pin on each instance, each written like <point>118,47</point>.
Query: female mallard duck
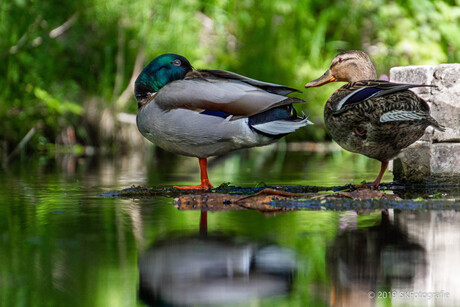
<point>202,113</point>
<point>372,117</point>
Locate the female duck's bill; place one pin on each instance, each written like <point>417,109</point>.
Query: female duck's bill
<point>203,113</point>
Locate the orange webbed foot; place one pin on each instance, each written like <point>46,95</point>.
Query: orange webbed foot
<point>205,185</point>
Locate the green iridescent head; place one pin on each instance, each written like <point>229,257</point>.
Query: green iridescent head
<point>162,70</point>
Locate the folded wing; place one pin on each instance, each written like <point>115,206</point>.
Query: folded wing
<point>364,90</point>
<point>221,91</point>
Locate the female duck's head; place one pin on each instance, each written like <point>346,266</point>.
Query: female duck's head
<point>348,66</point>
<point>162,70</point>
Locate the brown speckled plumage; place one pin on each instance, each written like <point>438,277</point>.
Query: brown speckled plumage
<point>379,126</point>
<point>381,141</point>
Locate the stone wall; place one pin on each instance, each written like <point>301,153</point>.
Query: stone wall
<point>436,156</point>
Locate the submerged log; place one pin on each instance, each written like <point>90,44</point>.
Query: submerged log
<point>265,199</point>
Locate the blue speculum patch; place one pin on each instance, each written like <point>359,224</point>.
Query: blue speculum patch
<point>215,113</point>
<point>362,95</point>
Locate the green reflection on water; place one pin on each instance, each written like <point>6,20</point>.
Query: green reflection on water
<point>62,244</point>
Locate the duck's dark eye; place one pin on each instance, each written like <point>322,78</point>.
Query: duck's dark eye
<point>177,62</point>
<point>340,60</point>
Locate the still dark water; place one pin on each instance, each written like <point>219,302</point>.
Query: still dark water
<point>64,243</point>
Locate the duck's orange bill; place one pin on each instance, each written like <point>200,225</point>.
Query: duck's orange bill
<point>326,78</point>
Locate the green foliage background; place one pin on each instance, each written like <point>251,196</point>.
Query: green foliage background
<point>61,60</point>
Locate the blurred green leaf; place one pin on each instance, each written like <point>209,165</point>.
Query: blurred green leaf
<point>55,104</point>
<point>67,55</point>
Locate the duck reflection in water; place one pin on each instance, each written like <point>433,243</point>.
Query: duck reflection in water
<point>374,258</point>
<point>213,269</point>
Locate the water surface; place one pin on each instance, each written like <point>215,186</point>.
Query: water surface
<point>62,243</point>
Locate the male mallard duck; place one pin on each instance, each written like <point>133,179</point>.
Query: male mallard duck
<point>202,113</point>
<point>372,117</point>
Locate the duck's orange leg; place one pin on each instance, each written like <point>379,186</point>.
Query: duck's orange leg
<point>205,184</point>
<point>376,183</point>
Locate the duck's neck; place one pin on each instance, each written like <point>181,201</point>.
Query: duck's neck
<point>141,102</point>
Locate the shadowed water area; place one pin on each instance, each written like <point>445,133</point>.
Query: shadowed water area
<point>87,231</point>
